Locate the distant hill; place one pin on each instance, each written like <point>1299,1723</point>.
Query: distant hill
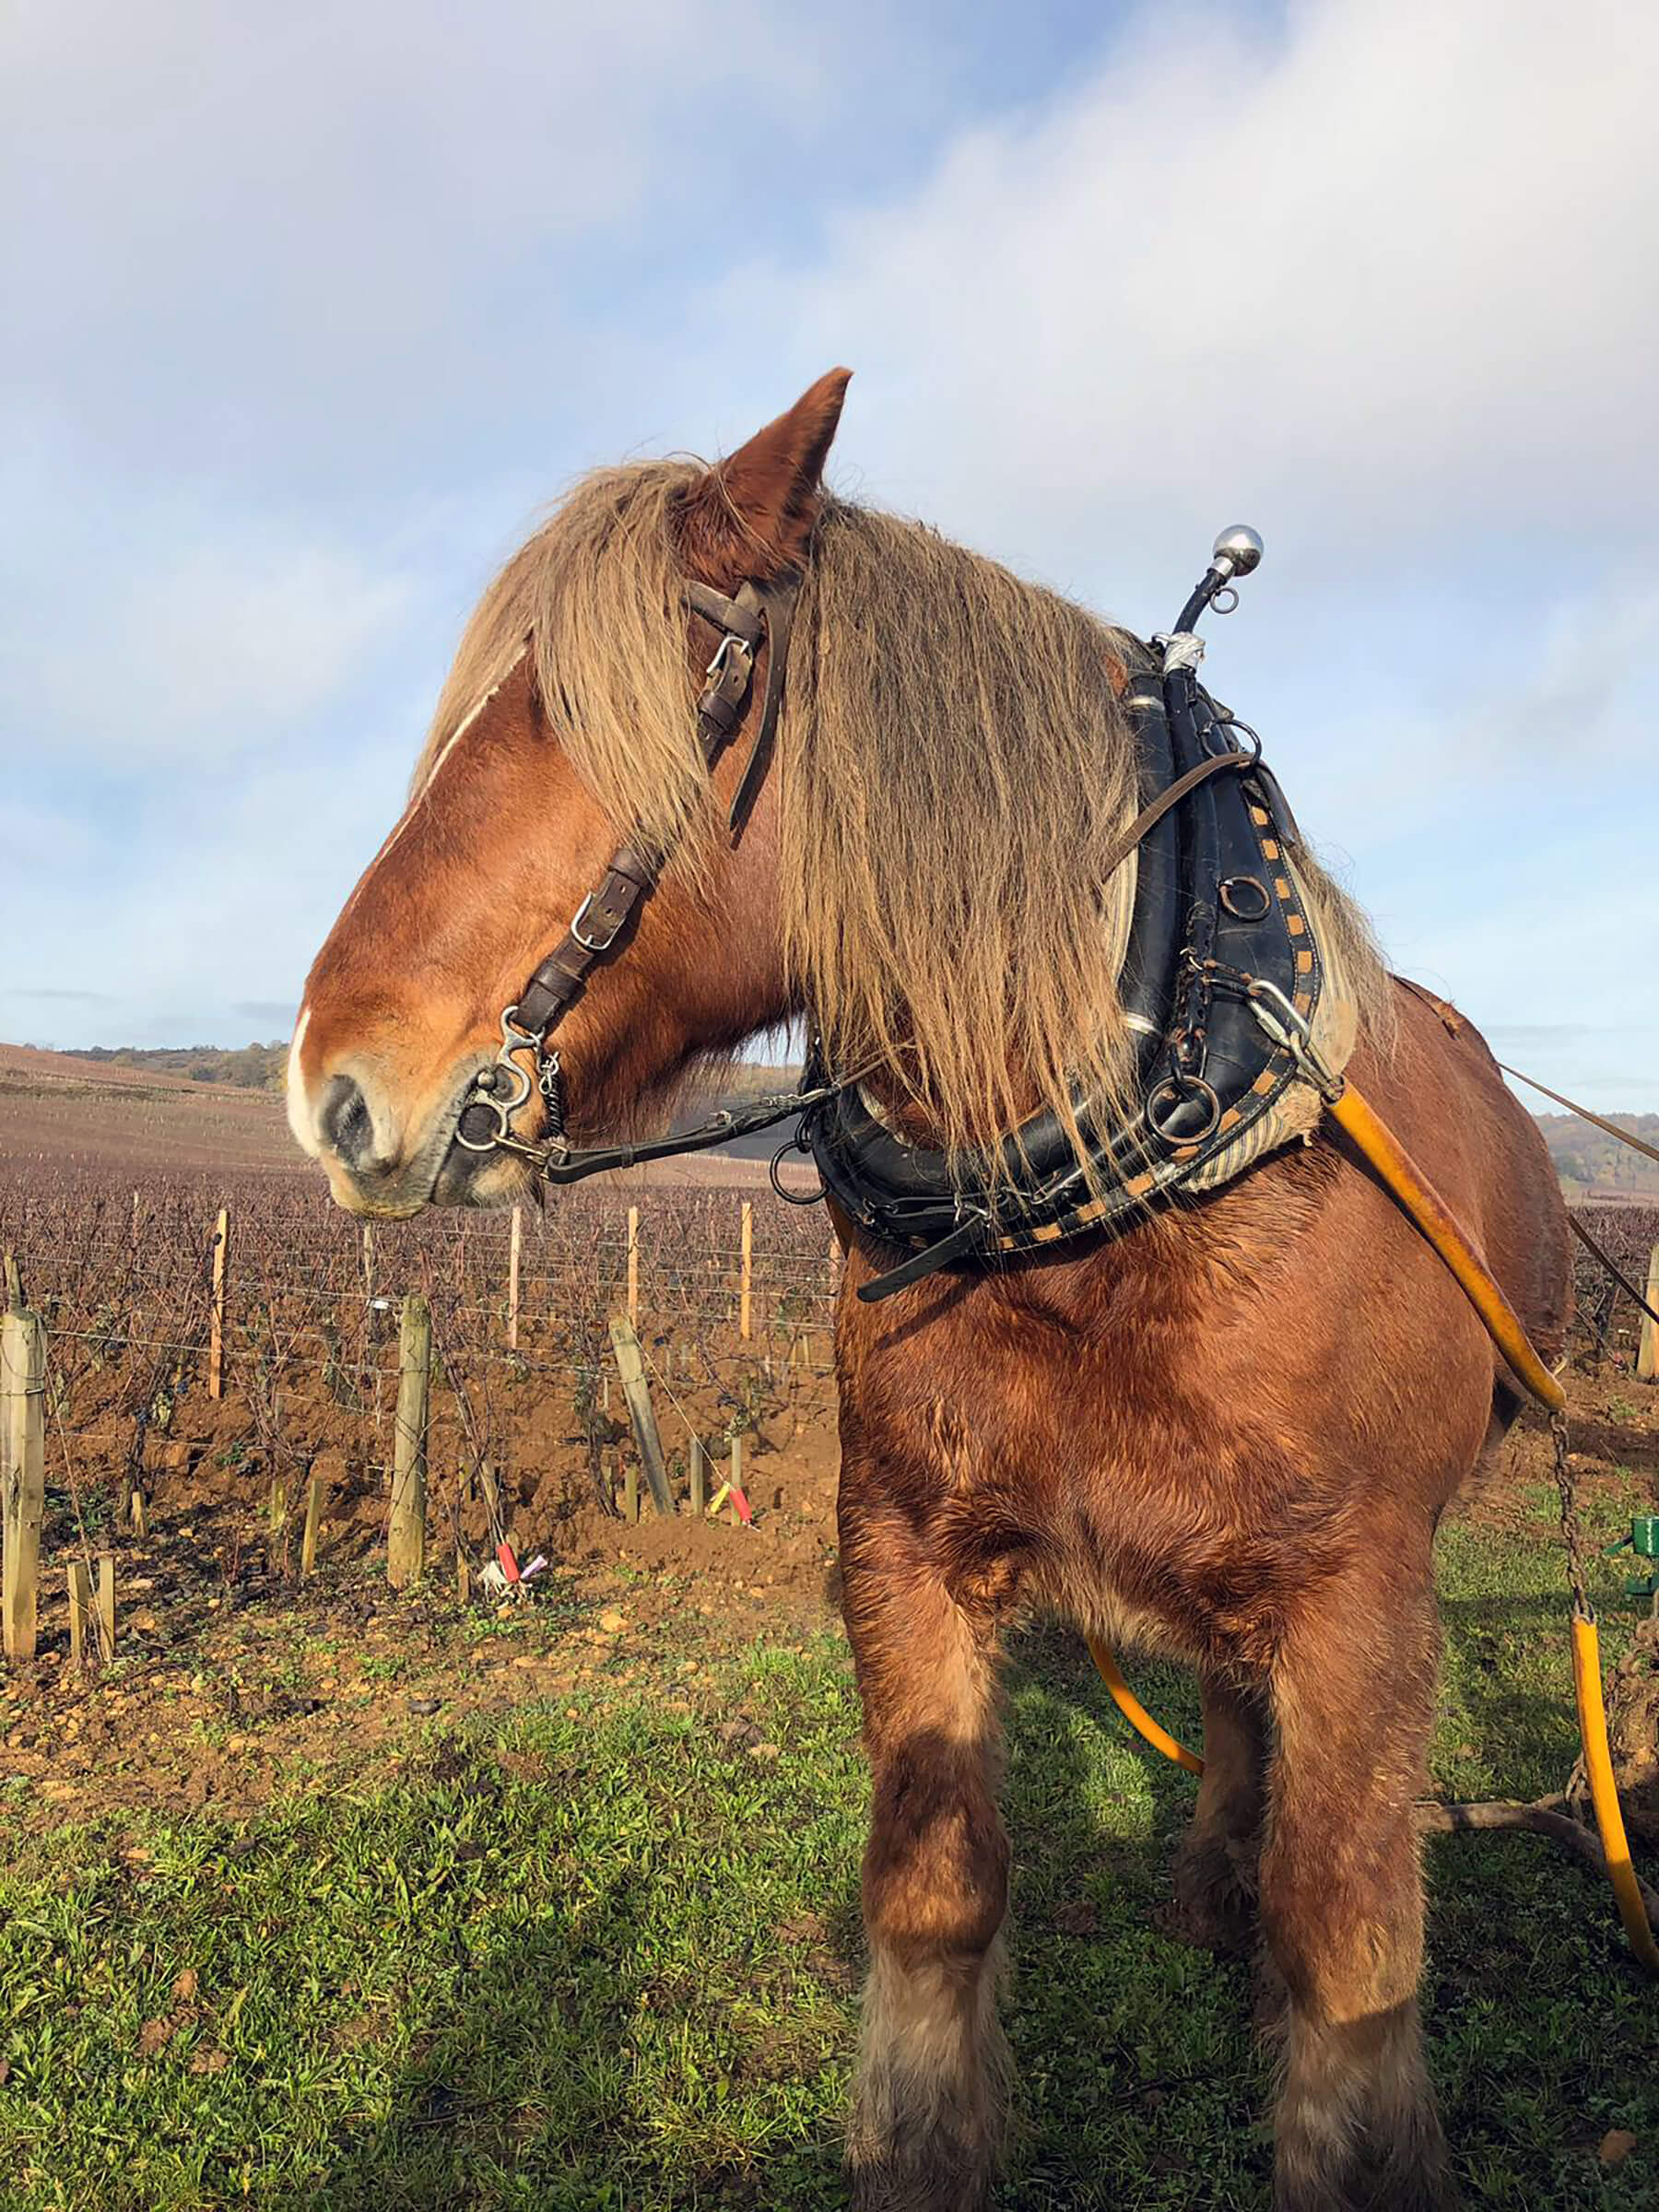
<point>243,1066</point>
<point>1593,1165</point>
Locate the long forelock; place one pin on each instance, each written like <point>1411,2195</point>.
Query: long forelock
<point>595,598</point>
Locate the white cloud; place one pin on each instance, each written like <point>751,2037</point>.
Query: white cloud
<point>309,308</point>
<point>202,638</point>
<point>212,894</point>
<point>1381,275</point>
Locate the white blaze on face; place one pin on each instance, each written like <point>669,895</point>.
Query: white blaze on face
<point>413,808</point>
<point>298,1105</point>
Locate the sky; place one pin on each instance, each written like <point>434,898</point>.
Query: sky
<point>312,310</point>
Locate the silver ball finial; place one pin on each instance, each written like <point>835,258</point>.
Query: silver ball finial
<point>1236,551</point>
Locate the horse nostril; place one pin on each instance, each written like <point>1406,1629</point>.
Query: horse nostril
<point>346,1122</point>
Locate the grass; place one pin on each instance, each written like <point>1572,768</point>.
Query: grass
<point>595,1955</point>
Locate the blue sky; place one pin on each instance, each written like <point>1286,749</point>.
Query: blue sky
<point>312,310</point>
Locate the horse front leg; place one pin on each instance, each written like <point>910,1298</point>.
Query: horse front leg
<point>1342,1897</point>
<point>930,2097</point>
<point>1217,1871</point>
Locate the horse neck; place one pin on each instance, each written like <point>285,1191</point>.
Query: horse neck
<point>703,975</point>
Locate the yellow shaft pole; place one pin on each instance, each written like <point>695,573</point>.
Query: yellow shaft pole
<point>1435,1219</point>
<point>1603,1791</point>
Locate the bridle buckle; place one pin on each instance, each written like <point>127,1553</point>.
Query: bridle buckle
<point>731,643</point>
<point>588,944</point>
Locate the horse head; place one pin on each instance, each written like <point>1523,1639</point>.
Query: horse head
<point>568,727</point>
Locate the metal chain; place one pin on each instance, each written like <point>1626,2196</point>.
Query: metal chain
<point>1571,1534</point>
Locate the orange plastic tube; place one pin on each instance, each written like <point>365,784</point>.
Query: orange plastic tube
<point>1135,1714</point>
<point>1603,1791</point>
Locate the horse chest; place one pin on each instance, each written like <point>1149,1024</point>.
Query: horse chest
<point>1116,1481</point>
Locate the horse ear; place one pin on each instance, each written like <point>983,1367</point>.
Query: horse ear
<point>759,504</point>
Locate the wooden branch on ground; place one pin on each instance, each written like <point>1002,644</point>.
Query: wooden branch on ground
<point>1540,1819</point>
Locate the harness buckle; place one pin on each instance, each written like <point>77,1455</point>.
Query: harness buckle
<point>595,945</point>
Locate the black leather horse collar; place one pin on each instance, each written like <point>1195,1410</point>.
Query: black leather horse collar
<point>1218,926</point>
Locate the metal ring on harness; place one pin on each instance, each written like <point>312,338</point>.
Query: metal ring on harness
<point>513,1039</point>
<point>798,1143</point>
<point>1167,1099</point>
<point>1245,910</point>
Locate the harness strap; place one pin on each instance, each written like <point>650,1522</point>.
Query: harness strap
<point>596,924</point>
<point>1154,811</point>
<point>1623,1280</point>
<point>758,613</point>
<point>779,605</point>
<point>738,618</point>
<point>1625,1136</point>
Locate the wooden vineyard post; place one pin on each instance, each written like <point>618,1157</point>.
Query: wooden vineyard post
<point>405,1533</point>
<point>633,1266</point>
<point>699,1476</point>
<point>216,1334</point>
<point>631,1491</point>
<point>313,1522</point>
<point>735,1476</point>
<point>630,1366</point>
<point>14,1285</point>
<point>106,1602</point>
<point>745,1279</point>
<point>1647,1344</point>
<point>80,1608</point>
<point>514,1245</point>
<point>368,1259</point>
<point>22,1475</point>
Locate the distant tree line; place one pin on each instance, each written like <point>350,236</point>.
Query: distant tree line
<point>242,1067</point>
<point>1588,1160</point>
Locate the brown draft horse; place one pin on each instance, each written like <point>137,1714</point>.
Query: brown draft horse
<point>1226,1435</point>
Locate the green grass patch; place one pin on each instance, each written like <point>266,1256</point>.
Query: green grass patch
<point>594,1957</point>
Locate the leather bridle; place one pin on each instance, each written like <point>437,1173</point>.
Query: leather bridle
<point>760,614</point>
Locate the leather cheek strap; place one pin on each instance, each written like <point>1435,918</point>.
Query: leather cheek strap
<point>599,921</point>
<point>757,613</point>
<point>780,607</point>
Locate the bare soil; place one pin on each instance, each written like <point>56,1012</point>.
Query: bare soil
<point>232,1673</point>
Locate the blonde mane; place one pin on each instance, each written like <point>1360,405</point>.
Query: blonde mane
<point>953,765</point>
